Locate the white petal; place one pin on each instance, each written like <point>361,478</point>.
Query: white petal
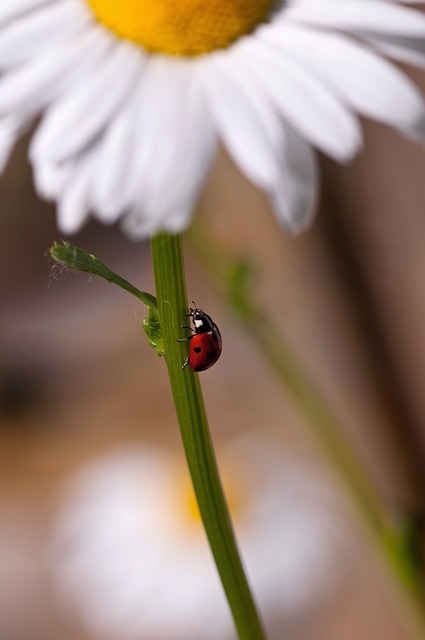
<point>177,152</point>
<point>296,201</point>
<point>299,96</point>
<point>9,131</point>
<point>50,178</point>
<point>185,143</point>
<point>15,8</point>
<point>369,84</point>
<point>34,32</point>
<point>255,137</point>
<point>152,90</point>
<point>371,15</point>
<point>155,115</point>
<point>111,174</point>
<point>409,51</point>
<point>74,120</point>
<point>247,123</point>
<point>74,203</point>
<point>148,119</point>
<point>32,85</point>
<point>72,61</point>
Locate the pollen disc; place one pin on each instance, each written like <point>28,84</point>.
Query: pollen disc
<point>183,28</point>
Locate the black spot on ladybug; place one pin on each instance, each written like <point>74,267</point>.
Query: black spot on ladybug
<point>197,349</point>
<point>212,354</point>
<point>198,369</point>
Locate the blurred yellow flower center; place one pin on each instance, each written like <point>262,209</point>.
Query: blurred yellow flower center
<point>182,28</point>
<point>233,497</point>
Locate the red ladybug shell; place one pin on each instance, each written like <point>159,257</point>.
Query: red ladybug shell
<point>204,349</point>
<point>205,342</point>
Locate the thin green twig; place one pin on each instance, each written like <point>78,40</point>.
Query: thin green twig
<point>76,258</point>
<point>393,535</point>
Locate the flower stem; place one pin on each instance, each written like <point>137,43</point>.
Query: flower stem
<point>170,284</point>
<point>395,537</point>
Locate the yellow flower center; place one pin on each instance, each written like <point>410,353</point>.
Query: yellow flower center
<point>184,27</point>
<point>234,497</point>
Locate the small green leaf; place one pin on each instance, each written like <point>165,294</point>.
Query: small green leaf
<point>76,258</point>
<point>240,278</point>
<point>152,328</point>
<point>403,544</point>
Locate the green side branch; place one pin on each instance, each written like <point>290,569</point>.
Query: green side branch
<point>75,258</point>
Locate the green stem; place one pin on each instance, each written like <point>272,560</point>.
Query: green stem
<point>394,540</point>
<point>394,545</point>
<point>172,307</point>
<point>317,415</point>
<point>235,278</point>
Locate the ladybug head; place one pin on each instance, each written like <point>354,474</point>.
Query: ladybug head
<point>195,313</point>
<point>201,320</point>
<point>197,316</point>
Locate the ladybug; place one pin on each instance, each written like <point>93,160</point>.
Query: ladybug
<point>205,341</point>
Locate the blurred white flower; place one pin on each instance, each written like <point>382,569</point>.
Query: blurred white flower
<point>130,554</point>
<point>135,95</point>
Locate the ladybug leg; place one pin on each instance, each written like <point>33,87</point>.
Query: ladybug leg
<point>185,326</point>
<point>186,339</point>
<point>186,362</point>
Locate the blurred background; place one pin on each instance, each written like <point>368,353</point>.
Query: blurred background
<point>79,384</point>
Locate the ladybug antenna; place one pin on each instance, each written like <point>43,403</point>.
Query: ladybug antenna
<point>191,311</point>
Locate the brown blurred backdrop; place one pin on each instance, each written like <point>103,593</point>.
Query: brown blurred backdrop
<point>77,376</point>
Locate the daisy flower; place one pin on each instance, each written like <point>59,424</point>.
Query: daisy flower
<point>131,558</point>
<point>135,95</point>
